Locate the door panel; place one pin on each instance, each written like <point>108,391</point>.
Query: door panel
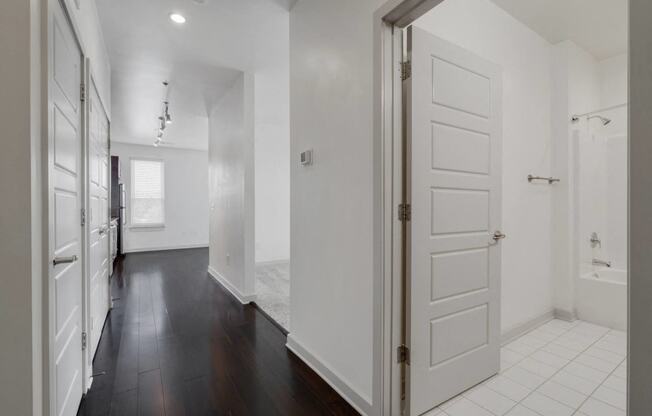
<point>453,122</point>
<point>65,192</point>
<point>99,219</point>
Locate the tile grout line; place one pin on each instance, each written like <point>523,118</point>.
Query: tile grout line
<point>559,370</point>
<point>596,389</point>
<point>516,403</point>
<point>549,378</point>
<point>578,354</point>
<point>556,372</point>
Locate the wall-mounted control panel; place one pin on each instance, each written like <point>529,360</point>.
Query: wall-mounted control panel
<point>306,157</point>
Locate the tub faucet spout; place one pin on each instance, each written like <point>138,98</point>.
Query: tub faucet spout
<point>598,262</point>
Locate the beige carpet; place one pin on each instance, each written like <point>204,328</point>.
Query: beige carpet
<point>273,291</point>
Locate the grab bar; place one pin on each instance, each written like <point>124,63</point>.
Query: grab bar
<point>598,262</point>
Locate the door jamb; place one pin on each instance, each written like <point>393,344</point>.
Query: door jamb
<point>388,141</point>
<point>87,362</point>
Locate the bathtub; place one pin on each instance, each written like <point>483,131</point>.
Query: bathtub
<point>602,297</point>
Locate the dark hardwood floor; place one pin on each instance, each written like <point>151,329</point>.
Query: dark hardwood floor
<point>176,343</point>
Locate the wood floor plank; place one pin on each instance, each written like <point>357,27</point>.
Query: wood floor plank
<point>177,344</point>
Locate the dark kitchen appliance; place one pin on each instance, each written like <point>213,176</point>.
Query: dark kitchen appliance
<point>118,198</point>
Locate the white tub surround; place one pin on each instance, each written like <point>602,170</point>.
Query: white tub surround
<point>602,298</point>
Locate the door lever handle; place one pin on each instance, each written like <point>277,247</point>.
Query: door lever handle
<point>498,235</point>
<point>63,260</point>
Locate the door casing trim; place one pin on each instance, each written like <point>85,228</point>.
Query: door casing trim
<point>388,20</point>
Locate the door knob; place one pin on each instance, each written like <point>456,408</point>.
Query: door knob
<point>63,260</point>
<point>498,235</point>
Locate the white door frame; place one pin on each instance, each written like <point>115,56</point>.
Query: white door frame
<point>388,182</point>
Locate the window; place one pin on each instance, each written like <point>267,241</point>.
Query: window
<point>147,203</point>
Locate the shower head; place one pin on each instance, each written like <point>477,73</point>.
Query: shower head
<point>604,120</point>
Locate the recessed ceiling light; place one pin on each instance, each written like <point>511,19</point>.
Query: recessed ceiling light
<point>177,18</point>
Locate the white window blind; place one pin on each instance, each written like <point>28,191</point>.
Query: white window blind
<point>147,203</point>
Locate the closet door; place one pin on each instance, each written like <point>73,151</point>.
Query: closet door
<point>65,199</point>
<point>99,219</point>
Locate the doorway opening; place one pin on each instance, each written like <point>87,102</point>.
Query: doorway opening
<point>562,168</point>
<point>272,189</point>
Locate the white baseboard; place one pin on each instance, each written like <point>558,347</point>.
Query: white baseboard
<point>525,327</point>
<point>164,248</point>
<point>272,262</point>
<point>565,315</point>
<point>359,403</point>
<point>242,297</point>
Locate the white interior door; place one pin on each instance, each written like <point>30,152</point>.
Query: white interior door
<point>98,191</point>
<point>453,104</point>
<point>65,199</point>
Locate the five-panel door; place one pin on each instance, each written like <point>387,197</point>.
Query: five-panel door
<point>66,201</point>
<point>453,121</point>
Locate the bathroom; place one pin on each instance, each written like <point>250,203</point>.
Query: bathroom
<point>564,201</point>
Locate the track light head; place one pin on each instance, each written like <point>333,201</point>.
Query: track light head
<point>168,119</point>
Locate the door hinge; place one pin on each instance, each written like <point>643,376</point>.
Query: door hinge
<point>406,70</point>
<point>84,341</point>
<point>82,92</point>
<point>403,354</point>
<point>83,217</point>
<point>404,212</point>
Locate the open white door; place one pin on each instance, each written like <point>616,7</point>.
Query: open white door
<point>65,202</point>
<point>98,216</point>
<point>453,121</point>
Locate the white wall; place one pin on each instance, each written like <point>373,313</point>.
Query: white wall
<point>486,30</point>
<point>613,81</point>
<point>87,23</point>
<point>231,188</point>
<point>186,198</point>
<point>272,151</point>
<point>21,215</point>
<point>331,235</point>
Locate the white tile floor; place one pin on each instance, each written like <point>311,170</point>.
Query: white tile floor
<point>558,369</point>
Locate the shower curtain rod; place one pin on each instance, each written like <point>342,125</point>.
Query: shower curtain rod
<point>613,107</point>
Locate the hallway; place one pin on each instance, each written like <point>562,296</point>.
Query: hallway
<point>176,343</point>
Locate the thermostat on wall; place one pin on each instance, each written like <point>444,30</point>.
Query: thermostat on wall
<point>306,157</point>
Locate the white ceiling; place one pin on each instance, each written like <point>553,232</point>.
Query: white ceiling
<point>598,26</point>
<point>200,59</point>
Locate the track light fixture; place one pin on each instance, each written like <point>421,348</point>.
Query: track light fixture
<point>168,119</point>
<point>164,119</point>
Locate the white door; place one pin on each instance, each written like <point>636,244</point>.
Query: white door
<point>98,215</point>
<point>453,108</point>
<point>65,199</point>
